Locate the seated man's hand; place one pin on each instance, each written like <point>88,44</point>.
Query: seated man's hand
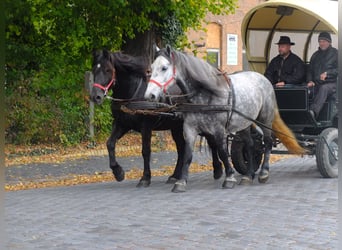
<point>310,84</point>
<point>280,84</point>
<point>323,76</point>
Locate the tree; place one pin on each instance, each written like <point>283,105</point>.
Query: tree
<point>49,45</point>
<point>74,27</point>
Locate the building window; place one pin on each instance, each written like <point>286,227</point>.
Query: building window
<point>213,57</point>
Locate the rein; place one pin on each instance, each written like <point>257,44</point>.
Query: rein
<point>109,85</point>
<point>158,108</point>
<point>260,123</point>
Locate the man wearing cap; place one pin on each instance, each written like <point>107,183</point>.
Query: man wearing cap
<point>286,68</point>
<point>322,73</point>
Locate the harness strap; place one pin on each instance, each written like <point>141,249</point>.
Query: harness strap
<point>230,97</point>
<point>163,86</point>
<point>260,123</point>
<point>189,107</point>
<point>109,85</point>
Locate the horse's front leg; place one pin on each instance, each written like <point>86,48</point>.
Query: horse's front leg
<point>190,137</point>
<point>177,135</point>
<point>222,147</point>
<point>265,168</point>
<point>217,165</point>
<point>117,133</point>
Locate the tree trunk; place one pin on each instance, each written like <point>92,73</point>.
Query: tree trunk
<point>141,45</point>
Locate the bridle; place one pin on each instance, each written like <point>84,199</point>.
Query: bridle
<point>168,82</point>
<point>109,85</point>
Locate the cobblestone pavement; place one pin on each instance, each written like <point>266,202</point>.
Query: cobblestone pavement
<point>296,209</point>
<point>91,165</point>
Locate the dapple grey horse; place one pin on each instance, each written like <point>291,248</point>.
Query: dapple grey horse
<point>252,97</point>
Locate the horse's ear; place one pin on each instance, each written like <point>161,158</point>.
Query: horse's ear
<point>168,50</point>
<point>95,53</point>
<point>155,48</point>
<point>111,58</point>
<point>106,53</point>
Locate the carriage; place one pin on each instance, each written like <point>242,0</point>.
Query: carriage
<point>302,21</point>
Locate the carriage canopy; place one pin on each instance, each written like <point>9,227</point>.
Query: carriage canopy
<point>301,20</point>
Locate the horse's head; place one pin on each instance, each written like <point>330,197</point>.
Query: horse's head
<point>163,75</point>
<point>104,75</point>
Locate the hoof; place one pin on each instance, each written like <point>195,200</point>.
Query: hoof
<point>229,182</point>
<point>144,183</point>
<point>171,180</point>
<point>218,173</point>
<point>179,187</point>
<point>119,174</point>
<point>263,177</point>
<point>245,180</point>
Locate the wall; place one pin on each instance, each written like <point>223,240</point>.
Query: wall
<point>215,37</point>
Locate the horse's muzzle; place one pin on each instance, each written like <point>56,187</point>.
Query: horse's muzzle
<point>97,97</point>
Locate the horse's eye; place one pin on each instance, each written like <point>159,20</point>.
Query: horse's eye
<point>164,68</point>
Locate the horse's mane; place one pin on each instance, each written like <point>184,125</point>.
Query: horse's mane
<point>129,64</point>
<point>194,68</point>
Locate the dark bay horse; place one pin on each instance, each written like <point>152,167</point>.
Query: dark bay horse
<point>126,76</point>
<point>251,94</point>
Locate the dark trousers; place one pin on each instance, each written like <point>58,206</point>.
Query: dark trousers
<point>322,92</point>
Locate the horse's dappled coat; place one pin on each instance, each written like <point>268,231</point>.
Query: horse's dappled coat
<point>253,96</point>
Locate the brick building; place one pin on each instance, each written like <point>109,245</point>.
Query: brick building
<point>221,44</point>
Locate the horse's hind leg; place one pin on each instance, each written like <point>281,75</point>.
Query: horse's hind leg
<point>117,133</point>
<point>177,135</point>
<point>264,172</point>
<point>249,147</point>
<point>146,133</point>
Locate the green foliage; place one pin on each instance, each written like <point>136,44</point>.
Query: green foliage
<point>31,123</point>
<point>103,120</point>
<point>48,49</point>
<point>47,107</point>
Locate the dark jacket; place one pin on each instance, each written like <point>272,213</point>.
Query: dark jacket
<point>291,72</point>
<point>323,61</point>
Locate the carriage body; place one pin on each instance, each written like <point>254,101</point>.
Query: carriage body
<point>295,113</point>
<point>302,21</point>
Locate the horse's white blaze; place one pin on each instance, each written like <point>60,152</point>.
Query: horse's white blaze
<point>98,65</point>
<point>161,72</point>
<point>152,90</point>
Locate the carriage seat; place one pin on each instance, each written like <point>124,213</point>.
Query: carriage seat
<point>294,103</point>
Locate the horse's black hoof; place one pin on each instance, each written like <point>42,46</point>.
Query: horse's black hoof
<point>263,177</point>
<point>229,182</point>
<point>179,187</point>
<point>246,180</point>
<point>119,174</point>
<point>143,183</point>
<point>171,180</point>
<point>218,173</point>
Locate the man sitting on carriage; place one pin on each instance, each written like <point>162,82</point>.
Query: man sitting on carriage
<point>286,68</point>
<point>323,72</point>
